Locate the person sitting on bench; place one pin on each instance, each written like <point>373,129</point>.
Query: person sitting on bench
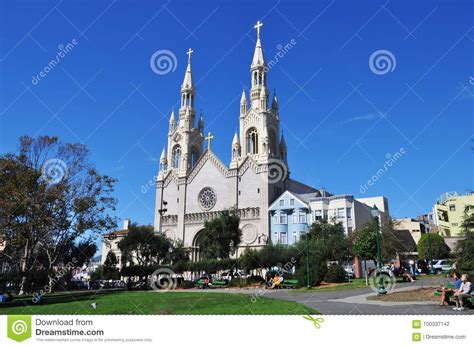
<point>464,292</point>
<point>276,281</point>
<point>445,292</point>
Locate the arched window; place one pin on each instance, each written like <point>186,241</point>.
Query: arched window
<point>176,157</point>
<point>194,157</point>
<point>252,141</point>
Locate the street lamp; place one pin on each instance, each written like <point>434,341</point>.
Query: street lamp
<point>430,254</point>
<point>376,214</point>
<point>308,285</point>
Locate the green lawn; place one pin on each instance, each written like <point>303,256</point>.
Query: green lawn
<point>141,302</point>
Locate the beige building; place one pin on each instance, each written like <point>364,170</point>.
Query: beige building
<point>415,227</point>
<point>111,240</point>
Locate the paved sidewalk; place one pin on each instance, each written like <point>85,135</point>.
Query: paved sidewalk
<point>354,301</point>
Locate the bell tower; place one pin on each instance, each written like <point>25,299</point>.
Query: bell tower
<point>185,140</point>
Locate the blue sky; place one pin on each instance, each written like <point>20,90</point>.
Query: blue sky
<point>341,120</point>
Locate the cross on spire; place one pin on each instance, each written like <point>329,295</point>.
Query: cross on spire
<point>209,139</point>
<point>189,52</point>
<point>258,26</point>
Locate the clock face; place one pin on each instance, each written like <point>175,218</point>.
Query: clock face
<point>177,137</point>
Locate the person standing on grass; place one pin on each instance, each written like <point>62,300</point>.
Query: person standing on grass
<point>462,293</point>
<point>447,291</point>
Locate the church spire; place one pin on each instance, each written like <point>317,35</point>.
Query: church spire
<point>172,122</point>
<point>201,124</point>
<point>243,103</point>
<point>236,150</point>
<point>283,148</point>
<point>258,70</point>
<point>275,102</point>
<point>188,76</point>
<point>163,161</point>
<point>258,58</point>
<point>187,93</point>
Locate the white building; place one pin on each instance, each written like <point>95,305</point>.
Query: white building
<point>292,214</point>
<point>195,185</point>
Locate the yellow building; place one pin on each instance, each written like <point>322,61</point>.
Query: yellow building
<point>449,212</point>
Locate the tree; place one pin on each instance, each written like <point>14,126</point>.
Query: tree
<point>221,236</point>
<point>364,241</point>
<point>324,242</point>
<point>329,239</point>
<point>364,244</point>
<point>143,246</point>
<point>51,196</point>
<point>465,246</point>
<point>439,249</point>
<point>110,268</point>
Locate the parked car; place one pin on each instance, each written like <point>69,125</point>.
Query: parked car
<point>438,265</point>
<point>228,275</point>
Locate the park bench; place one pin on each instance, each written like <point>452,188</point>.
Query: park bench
<point>288,284</point>
<point>217,283</point>
<point>447,286</point>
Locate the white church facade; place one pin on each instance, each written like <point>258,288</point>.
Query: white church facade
<point>194,185</point>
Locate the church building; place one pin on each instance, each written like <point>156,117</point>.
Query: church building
<point>194,185</point>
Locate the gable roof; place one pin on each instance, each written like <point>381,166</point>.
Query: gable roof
<point>208,156</point>
<point>275,204</point>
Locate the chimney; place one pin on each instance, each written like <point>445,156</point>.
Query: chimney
<point>126,224</point>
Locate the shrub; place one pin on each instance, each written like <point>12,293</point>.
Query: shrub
<point>317,272</point>
<point>335,274</point>
<point>238,282</point>
<point>186,285</point>
<point>252,280</point>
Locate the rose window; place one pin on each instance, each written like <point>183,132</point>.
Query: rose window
<point>207,198</point>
